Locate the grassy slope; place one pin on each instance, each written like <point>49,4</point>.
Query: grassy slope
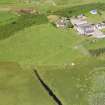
<point>43,44</point>
<point>20,87</point>
<point>82,84</point>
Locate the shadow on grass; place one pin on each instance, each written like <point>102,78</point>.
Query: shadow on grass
<point>80,9</point>
<point>22,22</point>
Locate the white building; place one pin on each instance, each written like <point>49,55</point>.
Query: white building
<point>82,26</point>
<point>86,29</point>
<point>100,26</point>
<point>98,34</point>
<point>94,12</point>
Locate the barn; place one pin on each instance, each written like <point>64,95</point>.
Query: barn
<point>86,29</point>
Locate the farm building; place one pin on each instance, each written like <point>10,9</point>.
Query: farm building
<point>86,29</point>
<point>82,26</point>
<point>63,23</point>
<point>94,12</point>
<point>98,34</point>
<point>78,20</point>
<point>100,26</point>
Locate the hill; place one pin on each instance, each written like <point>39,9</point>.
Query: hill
<point>71,65</point>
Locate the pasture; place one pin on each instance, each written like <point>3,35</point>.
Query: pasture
<point>42,44</point>
<point>20,87</point>
<point>61,56</point>
<point>77,85</point>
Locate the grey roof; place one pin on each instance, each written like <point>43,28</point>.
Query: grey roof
<point>88,28</point>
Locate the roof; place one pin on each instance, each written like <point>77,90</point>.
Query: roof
<point>101,25</point>
<point>93,11</point>
<point>88,28</point>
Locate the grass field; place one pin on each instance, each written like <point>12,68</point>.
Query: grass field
<point>41,44</point>
<point>61,57</point>
<point>20,87</point>
<point>82,84</point>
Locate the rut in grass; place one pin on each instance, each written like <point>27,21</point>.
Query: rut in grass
<point>47,88</point>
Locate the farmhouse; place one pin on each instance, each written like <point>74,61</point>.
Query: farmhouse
<point>85,29</point>
<point>82,26</point>
<point>98,34</point>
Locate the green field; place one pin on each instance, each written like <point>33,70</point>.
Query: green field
<point>73,66</point>
<point>82,84</point>
<point>20,87</point>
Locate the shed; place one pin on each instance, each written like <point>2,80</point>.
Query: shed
<point>63,23</point>
<point>94,11</point>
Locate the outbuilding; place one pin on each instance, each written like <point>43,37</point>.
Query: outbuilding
<point>94,12</point>
<point>100,26</point>
<point>86,29</point>
<point>63,23</point>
